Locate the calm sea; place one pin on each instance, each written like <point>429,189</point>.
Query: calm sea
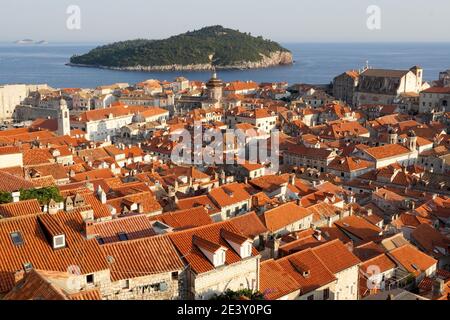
<point>315,63</point>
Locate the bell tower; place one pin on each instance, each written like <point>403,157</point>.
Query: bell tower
<point>63,118</point>
<point>215,87</point>
<point>411,140</point>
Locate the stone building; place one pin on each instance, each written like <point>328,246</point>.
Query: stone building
<point>380,86</point>
<point>435,100</point>
<point>138,271</point>
<point>344,86</point>
<point>217,257</point>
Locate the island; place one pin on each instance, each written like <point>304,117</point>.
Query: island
<point>213,47</point>
<point>30,41</point>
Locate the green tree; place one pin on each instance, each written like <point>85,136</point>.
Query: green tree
<point>5,197</point>
<point>43,195</point>
<point>236,295</point>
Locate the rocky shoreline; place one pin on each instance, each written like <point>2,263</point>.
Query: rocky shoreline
<point>277,58</point>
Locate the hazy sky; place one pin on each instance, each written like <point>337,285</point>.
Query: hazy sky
<point>280,20</point>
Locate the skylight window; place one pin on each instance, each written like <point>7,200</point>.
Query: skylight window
<point>17,238</point>
<point>122,236</point>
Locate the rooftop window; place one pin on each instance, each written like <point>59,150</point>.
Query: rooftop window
<point>122,236</point>
<point>17,238</point>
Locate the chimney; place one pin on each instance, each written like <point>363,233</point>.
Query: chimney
<point>275,246</point>
<point>329,223</point>
<point>89,229</point>
<point>369,212</point>
<point>101,194</point>
<point>438,287</point>
<point>318,234</point>
<point>16,196</point>
<point>18,276</point>
<point>292,179</point>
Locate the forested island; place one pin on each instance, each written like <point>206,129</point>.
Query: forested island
<point>204,49</point>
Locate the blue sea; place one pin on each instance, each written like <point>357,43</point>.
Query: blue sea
<point>315,63</point>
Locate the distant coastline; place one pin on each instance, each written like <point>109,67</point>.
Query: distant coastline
<point>315,63</point>
<point>30,41</point>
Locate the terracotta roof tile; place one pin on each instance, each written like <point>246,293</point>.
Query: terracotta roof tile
<point>284,215</point>
<point>183,241</point>
<point>275,282</point>
<point>21,208</point>
<point>412,259</point>
<point>138,258</point>
<point>135,227</point>
<point>37,250</point>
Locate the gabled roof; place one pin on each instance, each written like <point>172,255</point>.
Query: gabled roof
<point>229,194</point>
<point>382,261</point>
<point>184,219</point>
<point>336,256</point>
<point>282,216</point>
<point>249,225</point>
<point>11,183</point>
<point>37,285</point>
<point>138,258</point>
<point>428,238</point>
<point>307,269</point>
<point>368,251</point>
<point>387,151</point>
<point>199,201</point>
<point>135,227</point>
<point>193,256</point>
<point>21,208</point>
<point>412,259</point>
<point>349,164</point>
<point>275,282</point>
<point>358,227</point>
<point>37,250</point>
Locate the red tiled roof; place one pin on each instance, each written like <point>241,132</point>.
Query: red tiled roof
<point>275,282</point>
<point>11,183</point>
<point>307,269</point>
<point>37,250</point>
<point>440,90</point>
<point>284,215</point>
<point>358,227</point>
<point>249,225</point>
<point>412,259</point>
<point>229,194</point>
<point>199,201</point>
<point>183,219</point>
<point>183,241</point>
<point>336,256</point>
<point>387,151</point>
<point>135,227</point>
<point>382,261</point>
<point>9,150</point>
<point>21,208</point>
<point>36,286</point>
<point>138,258</point>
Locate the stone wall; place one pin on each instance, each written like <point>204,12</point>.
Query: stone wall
<point>143,288</point>
<point>240,275</point>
